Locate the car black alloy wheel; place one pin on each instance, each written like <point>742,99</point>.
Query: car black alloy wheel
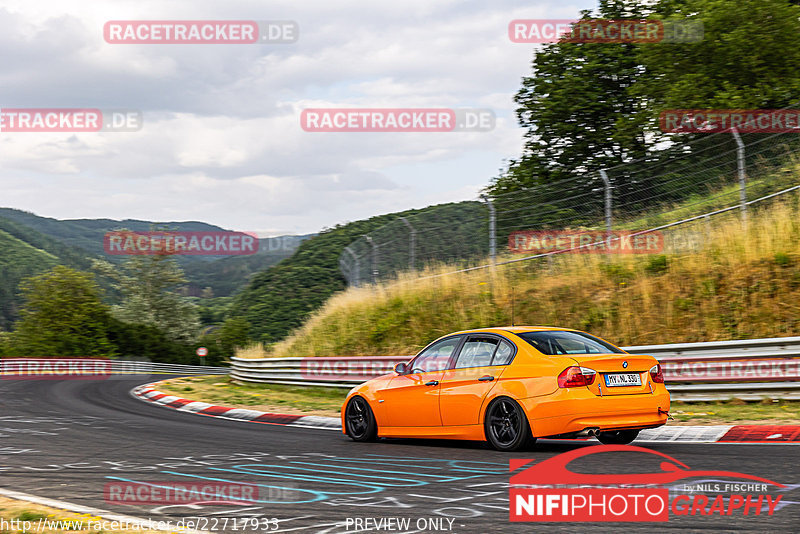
<point>617,437</point>
<point>359,420</point>
<point>506,425</point>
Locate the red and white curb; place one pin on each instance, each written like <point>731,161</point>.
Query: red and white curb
<point>148,393</point>
<point>780,434</point>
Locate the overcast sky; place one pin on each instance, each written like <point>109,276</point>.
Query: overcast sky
<point>221,140</point>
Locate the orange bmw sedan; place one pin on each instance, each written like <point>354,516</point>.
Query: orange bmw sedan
<point>510,386</point>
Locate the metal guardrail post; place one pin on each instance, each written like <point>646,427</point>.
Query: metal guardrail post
<point>740,163</point>
<point>412,244</point>
<point>355,279</point>
<point>374,258</point>
<point>492,228</point>
<point>607,187</point>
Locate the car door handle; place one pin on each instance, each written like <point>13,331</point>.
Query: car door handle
<point>486,378</point>
<point>432,383</point>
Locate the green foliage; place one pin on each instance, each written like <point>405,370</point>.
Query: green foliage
<point>148,343</point>
<point>62,316</point>
<point>147,285</point>
<point>657,264</point>
<point>223,342</point>
<point>589,106</point>
<point>280,298</point>
<point>748,58</point>
<point>782,259</point>
<point>617,273</point>
<point>576,108</point>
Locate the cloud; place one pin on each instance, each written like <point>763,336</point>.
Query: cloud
<point>221,140</point>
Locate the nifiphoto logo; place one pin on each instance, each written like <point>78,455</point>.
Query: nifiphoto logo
<point>201,32</point>
<point>550,491</point>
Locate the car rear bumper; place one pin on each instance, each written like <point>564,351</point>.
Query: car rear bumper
<point>573,410</point>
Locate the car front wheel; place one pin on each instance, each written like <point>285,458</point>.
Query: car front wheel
<point>617,437</point>
<point>506,425</point>
<point>359,420</point>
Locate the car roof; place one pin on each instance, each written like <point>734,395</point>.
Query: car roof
<point>513,329</point>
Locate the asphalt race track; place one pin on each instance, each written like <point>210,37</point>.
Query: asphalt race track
<point>68,440</point>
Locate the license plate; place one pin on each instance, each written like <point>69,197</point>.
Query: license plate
<point>623,379</point>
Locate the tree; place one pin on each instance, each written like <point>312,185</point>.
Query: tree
<point>577,108</point>
<point>148,286</point>
<point>62,316</point>
<point>748,58</point>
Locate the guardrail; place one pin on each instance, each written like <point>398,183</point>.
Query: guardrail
<point>749,369</point>
<point>55,368</point>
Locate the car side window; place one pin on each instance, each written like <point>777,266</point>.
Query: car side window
<point>477,352</point>
<point>504,353</point>
<point>436,357</point>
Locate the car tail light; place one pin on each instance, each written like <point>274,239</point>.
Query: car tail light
<point>656,374</point>
<point>575,376</point>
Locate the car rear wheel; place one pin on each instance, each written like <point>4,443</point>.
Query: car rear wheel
<point>359,420</point>
<point>617,437</point>
<point>506,425</point>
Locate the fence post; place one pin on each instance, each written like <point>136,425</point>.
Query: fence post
<point>412,244</point>
<point>607,187</point>
<point>374,258</point>
<point>492,229</point>
<point>742,176</point>
<point>355,280</point>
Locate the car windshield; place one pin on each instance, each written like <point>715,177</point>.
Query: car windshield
<point>563,342</point>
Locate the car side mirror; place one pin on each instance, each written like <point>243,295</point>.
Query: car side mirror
<point>401,368</point>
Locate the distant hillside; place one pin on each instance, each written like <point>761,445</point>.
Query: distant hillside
<point>279,299</point>
<point>228,274</point>
<point>30,244</point>
<point>18,259</point>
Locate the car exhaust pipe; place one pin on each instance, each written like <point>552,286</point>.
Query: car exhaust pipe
<point>588,432</point>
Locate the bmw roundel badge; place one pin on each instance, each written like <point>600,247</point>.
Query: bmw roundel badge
<point>625,365</point>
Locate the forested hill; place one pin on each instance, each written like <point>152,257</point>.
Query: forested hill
<point>30,244</point>
<point>279,299</point>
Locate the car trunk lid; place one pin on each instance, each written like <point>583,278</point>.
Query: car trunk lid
<point>618,374</point>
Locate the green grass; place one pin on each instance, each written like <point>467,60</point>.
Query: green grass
<point>265,397</point>
<point>736,412</point>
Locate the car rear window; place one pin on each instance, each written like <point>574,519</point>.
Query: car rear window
<point>564,342</point>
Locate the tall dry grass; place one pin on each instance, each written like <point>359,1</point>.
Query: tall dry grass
<point>734,281</point>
